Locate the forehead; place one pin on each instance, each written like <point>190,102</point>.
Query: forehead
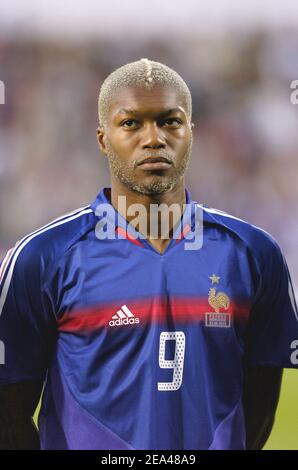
<point>157,100</point>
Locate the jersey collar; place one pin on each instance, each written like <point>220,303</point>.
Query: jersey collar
<point>125,230</point>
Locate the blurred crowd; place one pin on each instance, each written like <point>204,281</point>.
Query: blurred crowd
<point>245,155</point>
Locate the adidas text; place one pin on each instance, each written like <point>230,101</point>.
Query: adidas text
<point>125,321</point>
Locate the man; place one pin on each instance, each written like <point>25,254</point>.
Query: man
<point>140,341</point>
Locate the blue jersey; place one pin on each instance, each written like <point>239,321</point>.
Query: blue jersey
<point>142,350</point>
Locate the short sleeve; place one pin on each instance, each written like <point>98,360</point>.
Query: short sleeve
<point>27,325</point>
<point>272,333</point>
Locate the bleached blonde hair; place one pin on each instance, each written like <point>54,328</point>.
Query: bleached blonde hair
<point>143,73</point>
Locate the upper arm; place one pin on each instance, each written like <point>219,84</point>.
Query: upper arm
<point>27,324</point>
<point>272,331</point>
<point>27,330</point>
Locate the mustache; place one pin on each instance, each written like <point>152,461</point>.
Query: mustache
<point>158,154</point>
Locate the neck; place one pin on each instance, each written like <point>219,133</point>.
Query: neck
<point>176,197</point>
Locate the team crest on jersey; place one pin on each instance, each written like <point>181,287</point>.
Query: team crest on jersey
<point>124,317</point>
<point>218,301</point>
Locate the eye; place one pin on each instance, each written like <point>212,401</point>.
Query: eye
<point>129,123</point>
<point>173,122</point>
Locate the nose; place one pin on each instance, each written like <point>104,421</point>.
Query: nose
<point>152,137</point>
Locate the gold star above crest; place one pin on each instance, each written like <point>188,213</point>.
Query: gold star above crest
<point>215,279</point>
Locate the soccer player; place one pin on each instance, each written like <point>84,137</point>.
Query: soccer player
<point>141,341</point>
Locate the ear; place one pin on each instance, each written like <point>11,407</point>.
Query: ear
<point>101,139</point>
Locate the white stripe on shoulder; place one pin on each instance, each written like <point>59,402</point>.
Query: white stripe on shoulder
<point>219,212</point>
<point>225,214</point>
<point>12,251</point>
<point>5,262</point>
<point>22,243</point>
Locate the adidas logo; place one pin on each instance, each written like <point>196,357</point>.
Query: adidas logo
<point>124,317</point>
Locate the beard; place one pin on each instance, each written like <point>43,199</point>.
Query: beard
<point>153,184</point>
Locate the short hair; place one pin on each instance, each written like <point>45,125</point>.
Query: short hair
<point>143,73</point>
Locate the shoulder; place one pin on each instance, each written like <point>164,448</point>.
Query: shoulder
<point>259,242</point>
<point>40,248</point>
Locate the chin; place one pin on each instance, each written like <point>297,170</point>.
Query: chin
<point>155,187</point>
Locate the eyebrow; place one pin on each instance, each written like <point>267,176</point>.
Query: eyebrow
<point>164,113</point>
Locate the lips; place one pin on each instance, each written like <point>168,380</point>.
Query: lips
<point>155,163</point>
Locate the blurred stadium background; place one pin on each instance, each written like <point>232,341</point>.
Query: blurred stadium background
<point>239,61</point>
